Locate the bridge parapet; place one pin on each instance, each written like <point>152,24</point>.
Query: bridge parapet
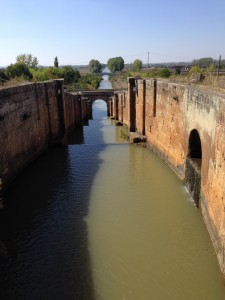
<point>92,95</point>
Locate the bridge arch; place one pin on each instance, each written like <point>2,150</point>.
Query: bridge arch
<point>194,145</point>
<point>101,94</point>
<point>193,166</point>
<point>102,111</point>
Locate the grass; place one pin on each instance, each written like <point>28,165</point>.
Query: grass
<point>124,133</point>
<point>211,80</point>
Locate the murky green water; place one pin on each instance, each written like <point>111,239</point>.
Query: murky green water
<point>146,239</point>
<point>101,219</point>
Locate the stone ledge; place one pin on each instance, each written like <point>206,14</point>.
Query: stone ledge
<point>135,138</point>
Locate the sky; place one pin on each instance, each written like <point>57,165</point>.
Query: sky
<point>77,31</point>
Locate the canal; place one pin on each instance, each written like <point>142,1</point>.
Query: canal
<point>100,219</point>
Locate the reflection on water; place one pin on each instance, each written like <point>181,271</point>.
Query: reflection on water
<point>105,83</point>
<point>43,231</point>
<point>103,220</point>
<point>146,237</point>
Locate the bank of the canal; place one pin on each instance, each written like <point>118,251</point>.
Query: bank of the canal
<point>100,219</point>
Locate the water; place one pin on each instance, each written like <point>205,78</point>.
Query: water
<point>101,219</point>
<point>105,83</point>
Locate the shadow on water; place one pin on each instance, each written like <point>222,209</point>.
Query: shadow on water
<point>43,235</point>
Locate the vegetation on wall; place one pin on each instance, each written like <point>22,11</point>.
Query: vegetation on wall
<point>149,73</point>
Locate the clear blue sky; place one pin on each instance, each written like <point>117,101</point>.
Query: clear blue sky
<point>77,31</point>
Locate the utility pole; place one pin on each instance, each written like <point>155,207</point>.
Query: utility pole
<point>148,58</point>
<point>218,69</point>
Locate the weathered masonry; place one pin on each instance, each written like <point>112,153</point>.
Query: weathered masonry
<point>185,125</point>
<point>88,97</point>
<point>36,115</point>
<point>33,116</point>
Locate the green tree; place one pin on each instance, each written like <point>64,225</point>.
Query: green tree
<point>196,74</point>
<point>3,77</point>
<point>137,65</point>
<point>196,70</point>
<point>18,69</point>
<point>86,82</point>
<point>56,62</point>
<point>94,66</point>
<point>203,62</point>
<point>115,64</point>
<point>69,74</point>
<point>40,74</point>
<point>28,59</point>
<point>164,73</point>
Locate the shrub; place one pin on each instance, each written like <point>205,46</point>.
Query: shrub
<point>164,73</point>
<point>18,70</point>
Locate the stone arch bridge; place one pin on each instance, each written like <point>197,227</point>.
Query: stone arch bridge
<point>104,94</point>
<point>90,96</point>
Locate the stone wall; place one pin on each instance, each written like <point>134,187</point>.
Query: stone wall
<point>30,117</point>
<point>140,106</point>
<point>185,125</point>
<point>121,101</point>
<point>164,124</point>
<point>73,111</point>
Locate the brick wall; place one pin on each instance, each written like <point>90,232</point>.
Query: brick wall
<point>168,114</point>
<point>30,116</point>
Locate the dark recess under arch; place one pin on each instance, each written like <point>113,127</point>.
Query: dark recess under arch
<point>195,147</point>
<point>193,166</point>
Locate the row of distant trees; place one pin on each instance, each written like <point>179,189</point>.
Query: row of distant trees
<point>117,64</point>
<point>114,64</point>
<point>206,62</point>
<point>27,67</point>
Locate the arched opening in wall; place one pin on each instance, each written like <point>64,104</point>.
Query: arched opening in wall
<point>193,166</point>
<point>99,109</point>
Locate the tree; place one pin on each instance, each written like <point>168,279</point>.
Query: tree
<point>203,62</point>
<point>69,74</point>
<point>18,69</point>
<point>94,66</point>
<point>137,65</point>
<point>115,64</point>
<point>164,73</point>
<point>56,62</point>
<point>3,77</point>
<point>196,74</point>
<point>28,59</point>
